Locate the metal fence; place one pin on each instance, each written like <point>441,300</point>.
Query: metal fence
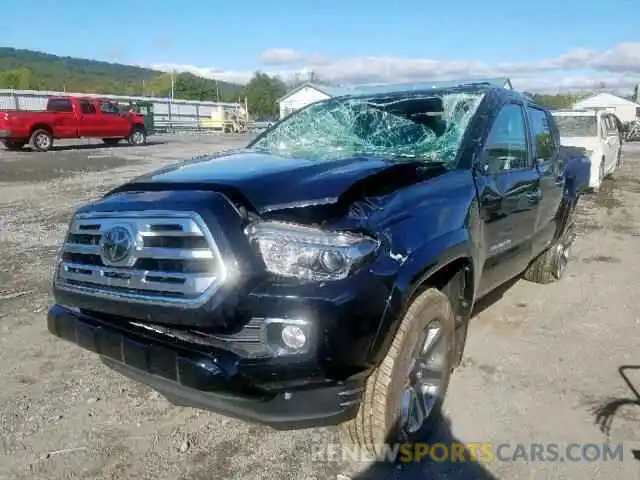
<point>168,114</point>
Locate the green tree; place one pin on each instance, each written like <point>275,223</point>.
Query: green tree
<point>26,69</point>
<point>262,94</point>
<point>564,100</point>
<point>17,78</point>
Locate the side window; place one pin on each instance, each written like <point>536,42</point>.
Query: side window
<point>506,146</point>
<point>603,127</point>
<point>87,107</point>
<point>543,144</point>
<point>109,108</point>
<point>60,105</point>
<point>612,128</point>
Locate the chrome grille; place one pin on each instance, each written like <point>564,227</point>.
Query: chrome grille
<point>171,257</point>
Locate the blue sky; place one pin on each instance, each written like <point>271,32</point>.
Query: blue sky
<point>227,39</point>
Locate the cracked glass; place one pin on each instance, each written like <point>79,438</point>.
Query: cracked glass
<point>411,126</point>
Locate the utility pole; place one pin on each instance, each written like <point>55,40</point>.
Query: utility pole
<point>173,72</point>
<point>171,98</point>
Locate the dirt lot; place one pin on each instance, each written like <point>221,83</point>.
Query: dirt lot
<point>539,363</point>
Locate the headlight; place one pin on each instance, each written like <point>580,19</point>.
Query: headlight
<point>308,253</point>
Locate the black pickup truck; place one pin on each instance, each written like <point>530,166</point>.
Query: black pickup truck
<point>326,273</point>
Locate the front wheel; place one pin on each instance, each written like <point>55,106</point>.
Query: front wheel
<point>403,396</point>
<point>137,137</point>
<point>41,140</point>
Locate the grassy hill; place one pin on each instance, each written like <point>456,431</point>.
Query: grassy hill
<point>30,70</point>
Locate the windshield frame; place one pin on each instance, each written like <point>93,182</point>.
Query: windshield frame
<point>480,93</point>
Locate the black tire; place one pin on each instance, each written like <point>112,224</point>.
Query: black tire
<point>138,137</point>
<point>552,264</point>
<point>41,140</point>
<point>111,141</point>
<point>620,160</point>
<point>13,146</point>
<point>378,420</point>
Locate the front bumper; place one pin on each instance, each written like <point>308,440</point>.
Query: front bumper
<point>211,381</point>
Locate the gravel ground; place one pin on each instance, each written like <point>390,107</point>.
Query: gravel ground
<point>541,363</point>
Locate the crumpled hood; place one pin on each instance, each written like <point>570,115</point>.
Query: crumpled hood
<point>268,182</point>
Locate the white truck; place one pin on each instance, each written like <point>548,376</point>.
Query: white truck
<point>597,132</point>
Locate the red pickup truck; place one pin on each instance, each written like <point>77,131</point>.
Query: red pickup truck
<point>71,117</point>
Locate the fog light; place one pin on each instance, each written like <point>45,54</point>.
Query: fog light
<point>293,337</point>
<point>288,336</point>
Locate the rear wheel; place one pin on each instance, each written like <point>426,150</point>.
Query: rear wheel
<point>41,140</point>
<point>137,137</point>
<point>9,145</point>
<point>403,396</point>
<point>552,264</point>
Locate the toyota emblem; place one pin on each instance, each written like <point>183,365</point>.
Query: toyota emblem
<point>117,245</point>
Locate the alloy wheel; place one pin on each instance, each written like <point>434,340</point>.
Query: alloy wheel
<point>42,141</point>
<point>425,379</point>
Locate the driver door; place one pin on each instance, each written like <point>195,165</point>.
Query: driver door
<point>509,195</point>
<point>113,123</point>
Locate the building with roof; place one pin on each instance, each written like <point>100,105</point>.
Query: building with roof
<point>624,109</point>
<point>311,92</point>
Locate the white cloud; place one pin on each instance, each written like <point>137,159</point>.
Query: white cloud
<point>580,68</point>
<point>206,72</point>
<point>281,56</point>
<point>288,56</point>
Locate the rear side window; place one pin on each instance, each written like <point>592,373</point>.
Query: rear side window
<point>87,107</point>
<point>612,128</point>
<point>60,105</point>
<point>543,144</point>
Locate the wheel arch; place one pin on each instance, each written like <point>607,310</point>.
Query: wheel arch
<point>138,126</point>
<point>41,126</point>
<point>453,273</point>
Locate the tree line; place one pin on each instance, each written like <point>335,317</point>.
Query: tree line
<point>29,70</point>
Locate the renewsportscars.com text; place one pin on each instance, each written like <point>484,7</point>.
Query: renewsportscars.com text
<point>474,452</point>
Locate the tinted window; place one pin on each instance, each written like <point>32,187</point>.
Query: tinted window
<point>506,147</point>
<point>87,107</point>
<point>60,105</point>
<point>543,144</point>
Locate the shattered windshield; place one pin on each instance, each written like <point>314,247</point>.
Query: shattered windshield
<point>424,127</point>
<point>577,125</point>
